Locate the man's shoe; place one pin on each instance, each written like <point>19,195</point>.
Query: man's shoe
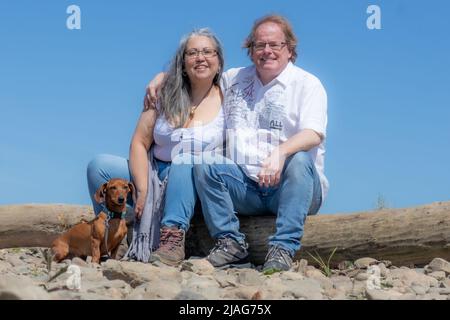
<point>171,246</point>
<point>277,260</point>
<point>229,253</point>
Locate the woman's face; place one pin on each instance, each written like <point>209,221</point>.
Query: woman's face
<point>200,59</point>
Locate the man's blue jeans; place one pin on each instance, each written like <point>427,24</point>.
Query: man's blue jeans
<point>181,195</point>
<point>224,190</point>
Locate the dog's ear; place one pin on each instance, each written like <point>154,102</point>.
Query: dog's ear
<point>133,191</point>
<point>99,196</point>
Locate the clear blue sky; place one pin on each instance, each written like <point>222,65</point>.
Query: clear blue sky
<point>66,95</point>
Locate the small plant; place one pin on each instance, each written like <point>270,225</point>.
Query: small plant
<point>58,273</point>
<point>48,259</point>
<point>325,267</point>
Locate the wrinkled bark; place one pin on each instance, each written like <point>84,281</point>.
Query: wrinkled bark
<point>403,236</point>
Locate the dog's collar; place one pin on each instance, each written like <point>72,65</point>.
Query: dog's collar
<point>114,215</point>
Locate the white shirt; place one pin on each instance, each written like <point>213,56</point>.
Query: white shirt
<point>262,117</point>
<point>170,142</point>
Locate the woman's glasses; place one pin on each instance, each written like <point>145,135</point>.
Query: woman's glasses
<point>206,52</point>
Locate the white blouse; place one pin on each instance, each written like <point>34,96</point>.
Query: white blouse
<point>170,142</point>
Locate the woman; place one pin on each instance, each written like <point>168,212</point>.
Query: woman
<point>188,120</point>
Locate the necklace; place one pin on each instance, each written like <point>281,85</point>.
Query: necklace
<point>193,108</point>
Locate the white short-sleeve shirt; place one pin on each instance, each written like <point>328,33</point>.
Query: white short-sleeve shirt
<point>170,141</point>
<point>259,117</point>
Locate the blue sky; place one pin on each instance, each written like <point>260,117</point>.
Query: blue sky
<point>66,95</point>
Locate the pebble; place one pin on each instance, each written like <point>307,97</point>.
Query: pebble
<point>365,278</point>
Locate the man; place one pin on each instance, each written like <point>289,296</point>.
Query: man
<point>276,117</point>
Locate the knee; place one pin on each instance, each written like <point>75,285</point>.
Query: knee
<point>298,164</point>
<point>98,163</point>
<point>209,169</point>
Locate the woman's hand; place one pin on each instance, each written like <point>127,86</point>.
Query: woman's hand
<point>151,92</point>
<point>140,203</point>
<point>272,168</point>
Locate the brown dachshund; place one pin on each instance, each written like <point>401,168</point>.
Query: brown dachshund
<point>102,235</point>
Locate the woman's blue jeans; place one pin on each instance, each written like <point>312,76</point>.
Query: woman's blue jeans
<point>181,195</point>
<point>224,190</point>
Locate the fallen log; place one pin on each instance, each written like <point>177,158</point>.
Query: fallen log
<point>410,236</point>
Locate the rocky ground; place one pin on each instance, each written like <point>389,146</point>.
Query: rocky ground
<point>24,275</point>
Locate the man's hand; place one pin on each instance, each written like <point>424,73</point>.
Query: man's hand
<point>140,203</point>
<point>272,168</point>
<point>152,90</point>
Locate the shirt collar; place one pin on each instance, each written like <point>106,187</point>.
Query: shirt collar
<point>283,78</point>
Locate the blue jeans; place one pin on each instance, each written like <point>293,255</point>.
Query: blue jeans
<point>180,192</point>
<point>224,189</point>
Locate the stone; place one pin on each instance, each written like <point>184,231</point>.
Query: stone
<point>445,283</point>
<point>384,271</point>
<point>438,275</point>
<point>189,295</point>
<point>300,266</point>
<point>345,265</point>
<point>137,273</point>
<point>438,264</point>
<point>79,262</point>
<point>374,294</point>
<point>359,289</point>
<point>342,283</point>
<point>198,266</point>
<point>157,289</point>
<point>364,263</point>
<point>387,263</point>
<point>290,275</point>
<point>362,276</point>
<point>4,266</point>
<point>225,280</point>
<point>314,273</point>
<point>13,288</point>
<point>15,261</point>
<point>242,292</point>
<point>309,289</point>
<point>249,277</point>
<point>419,290</point>
<point>324,281</point>
<point>335,294</point>
<point>273,287</point>
<point>408,276</point>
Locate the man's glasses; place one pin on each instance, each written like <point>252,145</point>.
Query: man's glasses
<point>274,45</point>
<point>206,52</point>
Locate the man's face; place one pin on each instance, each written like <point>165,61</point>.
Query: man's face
<point>270,62</point>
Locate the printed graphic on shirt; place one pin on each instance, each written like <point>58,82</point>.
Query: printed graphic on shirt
<point>243,111</point>
<point>239,104</point>
<point>273,112</point>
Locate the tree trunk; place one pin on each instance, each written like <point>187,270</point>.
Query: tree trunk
<point>403,236</point>
<point>411,236</point>
<point>37,225</point>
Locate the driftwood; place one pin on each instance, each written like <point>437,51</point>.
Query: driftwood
<point>403,236</point>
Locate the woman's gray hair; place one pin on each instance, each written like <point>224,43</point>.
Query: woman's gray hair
<point>176,89</point>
